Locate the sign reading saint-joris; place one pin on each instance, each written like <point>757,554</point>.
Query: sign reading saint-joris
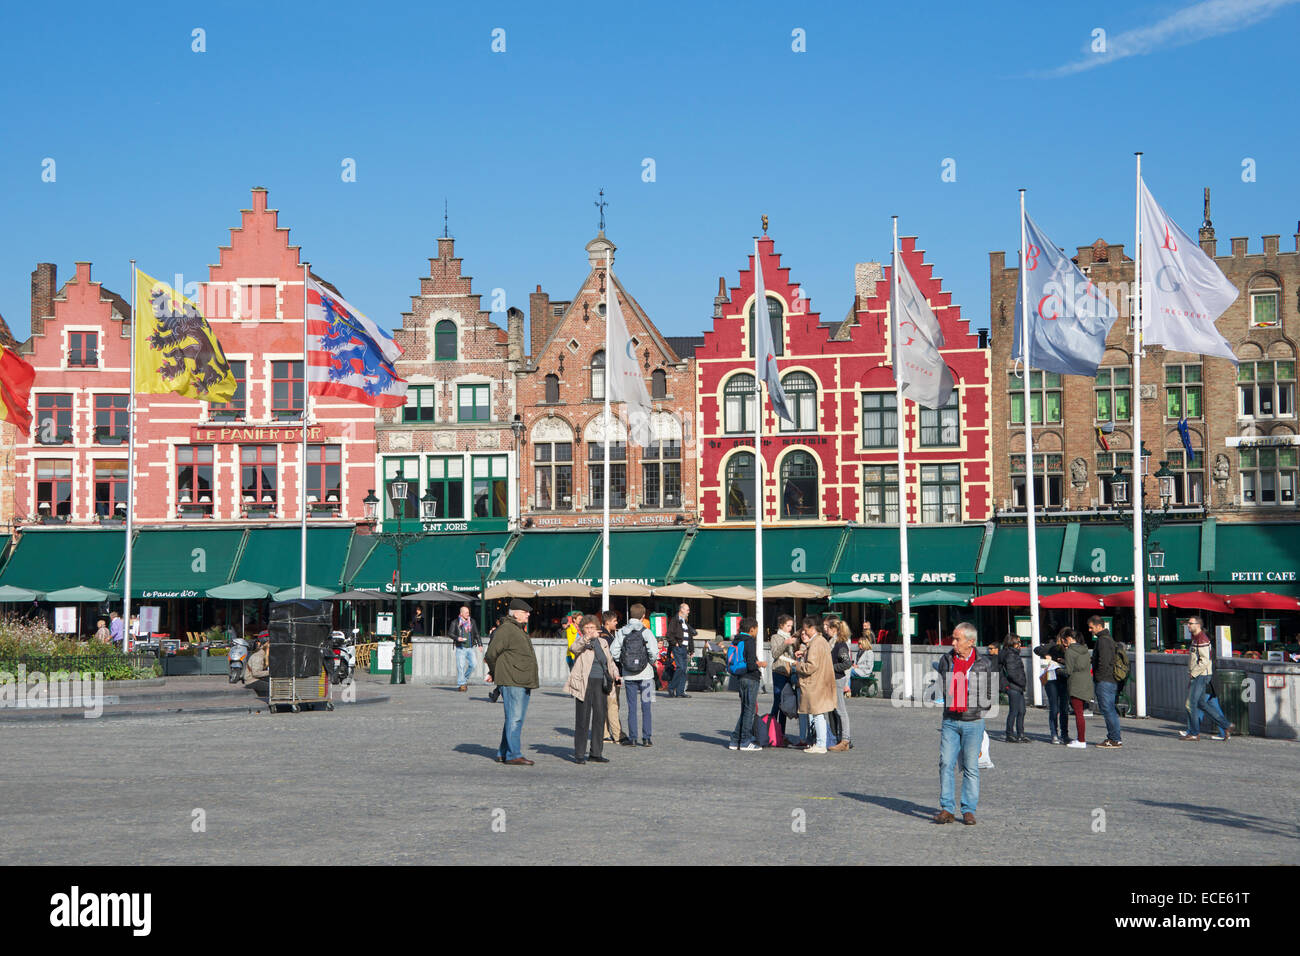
<point>175,348</point>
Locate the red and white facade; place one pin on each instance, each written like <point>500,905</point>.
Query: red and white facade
<point>193,461</point>
<point>839,461</point>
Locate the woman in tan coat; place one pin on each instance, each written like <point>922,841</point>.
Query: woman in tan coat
<point>816,683</point>
<point>593,666</point>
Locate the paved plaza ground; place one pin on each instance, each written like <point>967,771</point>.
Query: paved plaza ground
<point>413,780</point>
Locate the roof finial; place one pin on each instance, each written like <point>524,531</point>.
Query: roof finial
<point>601,204</point>
<point>765,225</point>
<point>445,233</point>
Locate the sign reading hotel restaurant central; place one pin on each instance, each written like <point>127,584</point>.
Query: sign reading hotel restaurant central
<point>254,433</point>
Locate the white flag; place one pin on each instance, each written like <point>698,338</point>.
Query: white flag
<point>1183,291</point>
<point>919,369</point>
<point>765,369</point>
<point>622,374</point>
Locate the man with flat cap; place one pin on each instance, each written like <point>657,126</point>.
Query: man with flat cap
<point>513,666</point>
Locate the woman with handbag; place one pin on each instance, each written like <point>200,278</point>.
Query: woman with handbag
<point>593,675</point>
<point>842,661</point>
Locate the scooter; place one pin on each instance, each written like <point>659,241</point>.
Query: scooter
<point>238,656</point>
<point>345,658</point>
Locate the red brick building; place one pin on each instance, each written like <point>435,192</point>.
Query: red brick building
<point>560,396</point>
<point>838,461</point>
<point>194,461</point>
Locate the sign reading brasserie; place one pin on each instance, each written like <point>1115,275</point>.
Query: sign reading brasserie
<point>254,433</point>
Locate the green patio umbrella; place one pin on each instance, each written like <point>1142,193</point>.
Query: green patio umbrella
<point>15,595</point>
<point>241,591</point>
<point>313,593</point>
<point>81,595</point>
<point>862,596</point>
<point>938,598</point>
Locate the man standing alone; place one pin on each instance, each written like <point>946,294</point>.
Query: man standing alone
<point>465,637</point>
<point>968,693</point>
<point>681,640</point>
<point>513,666</point>
<point>1106,687</point>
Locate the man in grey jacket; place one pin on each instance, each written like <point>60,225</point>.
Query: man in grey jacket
<point>632,645</point>
<point>970,689</point>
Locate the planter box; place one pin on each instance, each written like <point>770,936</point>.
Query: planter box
<point>175,666</point>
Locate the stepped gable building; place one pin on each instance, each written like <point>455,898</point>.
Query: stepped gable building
<point>458,437</point>
<point>1241,420</point>
<point>837,462</point>
<point>195,462</point>
<point>561,393</point>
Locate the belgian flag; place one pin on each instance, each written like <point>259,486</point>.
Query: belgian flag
<point>16,377</point>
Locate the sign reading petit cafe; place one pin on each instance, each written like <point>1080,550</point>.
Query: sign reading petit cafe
<point>254,433</point>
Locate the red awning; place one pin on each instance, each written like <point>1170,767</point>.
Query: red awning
<point>1197,600</point>
<point>1263,601</point>
<point>1125,599</point>
<point>1002,599</point>
<point>1074,599</point>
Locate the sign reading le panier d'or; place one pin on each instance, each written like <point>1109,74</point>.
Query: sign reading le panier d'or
<point>254,433</point>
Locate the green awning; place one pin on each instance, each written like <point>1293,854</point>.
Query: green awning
<point>721,557</point>
<point>1257,557</point>
<point>435,562</point>
<point>544,558</point>
<point>47,560</point>
<point>182,563</point>
<point>642,557</point>
<point>274,556</point>
<point>935,557</point>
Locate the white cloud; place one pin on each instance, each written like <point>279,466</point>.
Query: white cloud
<point>1200,21</point>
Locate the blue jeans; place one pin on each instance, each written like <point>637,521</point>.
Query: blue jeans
<point>964,736</point>
<point>1106,693</point>
<point>465,664</point>
<point>682,660</point>
<point>743,735</point>
<point>643,691</point>
<point>1015,712</point>
<point>779,681</point>
<point>516,706</point>
<point>1058,709</point>
<point>1198,700</point>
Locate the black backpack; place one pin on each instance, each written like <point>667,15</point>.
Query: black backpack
<point>634,658</point>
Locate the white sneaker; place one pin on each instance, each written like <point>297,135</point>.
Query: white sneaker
<point>732,747</point>
<point>1077,744</point>
<point>815,750</point>
<point>750,748</point>
<point>986,764</point>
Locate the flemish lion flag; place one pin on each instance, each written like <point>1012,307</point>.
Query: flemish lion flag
<point>175,348</point>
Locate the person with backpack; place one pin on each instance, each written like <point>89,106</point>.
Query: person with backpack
<point>1105,666</point>
<point>817,690</point>
<point>743,664</point>
<point>1014,682</point>
<point>635,650</point>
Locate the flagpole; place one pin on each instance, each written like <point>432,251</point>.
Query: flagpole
<point>1029,459</point>
<point>760,309</point>
<point>1138,480</point>
<point>130,481</point>
<point>302,461</point>
<point>608,426</point>
<point>905,622</point>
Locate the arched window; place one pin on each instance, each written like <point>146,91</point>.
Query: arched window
<point>798,486</point>
<point>598,375</point>
<point>776,315</point>
<point>658,384</point>
<point>740,487</point>
<point>444,341</point>
<point>738,405</point>
<point>801,395</point>
<point>552,389</point>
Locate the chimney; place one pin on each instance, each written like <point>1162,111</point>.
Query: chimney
<point>539,310</point>
<point>720,299</point>
<point>44,285</point>
<point>515,334</point>
<point>1238,247</point>
<point>983,338</point>
<point>1206,235</point>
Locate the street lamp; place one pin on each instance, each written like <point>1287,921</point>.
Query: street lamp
<point>1156,562</point>
<point>481,558</point>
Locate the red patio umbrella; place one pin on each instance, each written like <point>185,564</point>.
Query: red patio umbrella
<point>1125,599</point>
<point>1263,601</point>
<point>1002,599</point>
<point>1197,600</point>
<point>1075,599</point>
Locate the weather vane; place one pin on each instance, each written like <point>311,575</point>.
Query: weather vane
<point>444,217</point>
<point>765,225</point>
<point>601,206</point>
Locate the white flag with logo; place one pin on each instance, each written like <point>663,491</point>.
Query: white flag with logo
<point>765,369</point>
<point>623,375</point>
<point>919,368</point>
<point>1183,291</point>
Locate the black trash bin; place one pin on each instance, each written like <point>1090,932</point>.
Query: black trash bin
<point>1231,697</point>
<point>299,645</point>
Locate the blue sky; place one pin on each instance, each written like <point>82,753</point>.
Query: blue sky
<point>156,146</point>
